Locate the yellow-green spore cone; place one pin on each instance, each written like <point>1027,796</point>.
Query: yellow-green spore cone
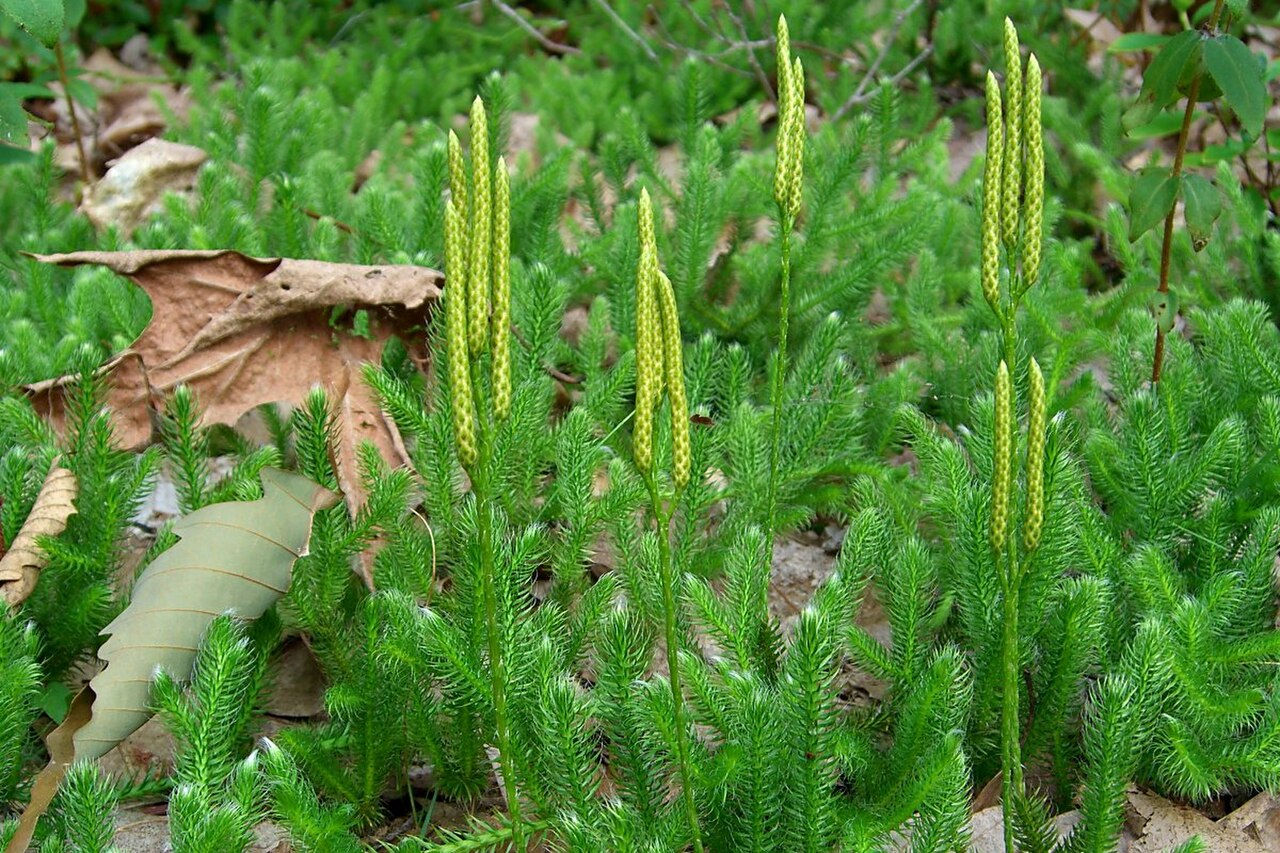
<point>649,357</point>
<point>1033,200</point>
<point>457,176</point>
<point>795,146</point>
<point>787,95</point>
<point>1002,462</point>
<point>1012,180</point>
<point>461,402</point>
<point>673,362</point>
<point>1033,524</point>
<point>481,248</point>
<point>991,186</point>
<point>501,362</point>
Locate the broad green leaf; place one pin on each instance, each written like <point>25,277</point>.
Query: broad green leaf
<point>1164,307</point>
<point>1202,205</point>
<point>13,120</point>
<point>1151,196</point>
<point>74,10</point>
<point>1236,70</point>
<point>10,156</point>
<point>42,18</point>
<point>22,91</point>
<point>230,557</point>
<point>1164,124</point>
<point>56,701</point>
<point>1137,41</point>
<point>1160,83</point>
<point>83,93</point>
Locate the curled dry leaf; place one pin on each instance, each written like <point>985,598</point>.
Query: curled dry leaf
<point>136,184</point>
<point>244,331</point>
<point>232,557</point>
<point>20,567</point>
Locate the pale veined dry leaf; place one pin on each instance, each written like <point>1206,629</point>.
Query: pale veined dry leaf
<point>21,565</point>
<point>232,557</point>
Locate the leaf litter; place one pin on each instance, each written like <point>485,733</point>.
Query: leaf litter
<point>242,332</point>
<point>241,556</point>
<point>55,504</point>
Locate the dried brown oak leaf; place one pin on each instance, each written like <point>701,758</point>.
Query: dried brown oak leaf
<point>242,331</point>
<point>21,565</point>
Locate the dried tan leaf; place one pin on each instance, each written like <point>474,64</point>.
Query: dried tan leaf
<point>1156,825</point>
<point>136,184</point>
<point>20,567</point>
<point>244,331</point>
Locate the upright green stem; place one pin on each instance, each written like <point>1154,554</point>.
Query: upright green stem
<point>1179,156</point>
<point>666,570</point>
<point>1010,738</point>
<point>1009,324</point>
<point>497,668</point>
<point>775,395</point>
<point>1006,563</point>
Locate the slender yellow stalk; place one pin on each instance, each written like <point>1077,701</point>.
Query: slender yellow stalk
<point>673,361</point>
<point>788,95</point>
<point>458,176</point>
<point>501,376</point>
<point>1033,201</point>
<point>1012,181</point>
<point>795,143</point>
<point>481,229</point>
<point>991,181</point>
<point>1033,524</point>
<point>1002,461</point>
<point>462,403</point>
<point>649,344</point>
<point>659,361</point>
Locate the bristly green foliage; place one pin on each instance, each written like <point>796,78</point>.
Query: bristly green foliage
<point>218,799</point>
<point>1147,610</point>
<point>313,827</point>
<point>20,683</point>
<point>1193,523</point>
<point>77,593</point>
<point>82,814</point>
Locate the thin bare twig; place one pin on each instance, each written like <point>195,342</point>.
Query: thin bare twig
<point>860,93</point>
<point>671,44</point>
<point>547,44</point>
<point>627,29</point>
<point>902,74</point>
<point>751,53</point>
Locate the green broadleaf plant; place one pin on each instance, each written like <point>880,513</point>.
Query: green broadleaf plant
<point>1238,74</point>
<point>1200,65</point>
<point>43,19</point>
<point>1152,195</point>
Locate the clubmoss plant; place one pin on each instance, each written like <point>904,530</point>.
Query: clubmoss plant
<point>659,365</point>
<point>788,184</point>
<point>479,406</point>
<point>1012,218</point>
<point>218,798</point>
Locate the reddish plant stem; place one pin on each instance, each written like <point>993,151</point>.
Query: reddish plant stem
<point>71,108</point>
<point>1166,246</point>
